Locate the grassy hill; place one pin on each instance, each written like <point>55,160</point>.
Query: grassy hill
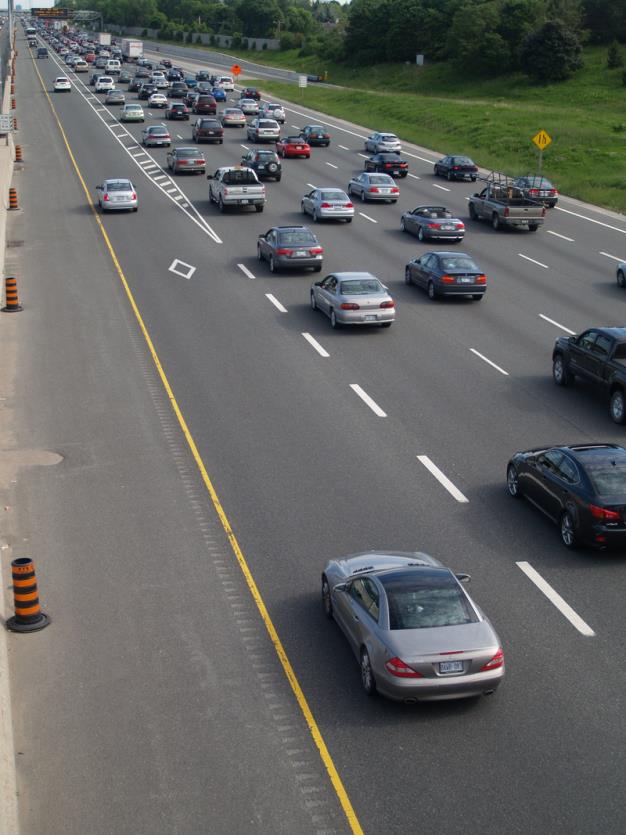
<point>492,120</point>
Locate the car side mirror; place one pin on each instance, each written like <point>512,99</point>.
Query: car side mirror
<point>209,176</point>
<point>340,587</point>
<point>98,188</point>
<point>463,578</point>
<point>318,283</point>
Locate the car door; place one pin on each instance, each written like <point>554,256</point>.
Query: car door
<point>361,612</point>
<point>415,220</point>
<point>360,184</point>
<point>444,165</point>
<point>429,268</point>
<point>546,487</point>
<point>308,201</point>
<point>600,352</point>
<point>582,360</point>
<point>327,295</point>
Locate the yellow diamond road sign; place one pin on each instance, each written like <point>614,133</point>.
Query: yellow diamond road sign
<point>542,140</point>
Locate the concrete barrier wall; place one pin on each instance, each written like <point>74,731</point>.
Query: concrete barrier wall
<point>7,155</point>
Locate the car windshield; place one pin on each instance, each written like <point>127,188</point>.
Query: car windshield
<point>119,185</point>
<point>426,600</point>
<point>361,287</point>
<point>333,195</point>
<point>457,262</point>
<point>297,236</point>
<point>607,472</point>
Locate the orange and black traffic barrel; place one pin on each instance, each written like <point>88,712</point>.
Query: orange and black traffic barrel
<point>28,615</point>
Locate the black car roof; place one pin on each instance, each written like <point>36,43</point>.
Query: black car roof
<point>291,228</point>
<point>614,333</point>
<point>583,452</point>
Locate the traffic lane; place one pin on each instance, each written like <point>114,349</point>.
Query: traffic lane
<point>132,494</point>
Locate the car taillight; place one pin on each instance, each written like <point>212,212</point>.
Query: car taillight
<point>481,279</point>
<point>373,189</point>
<point>459,226</point>
<point>533,191</point>
<point>398,668</point>
<point>506,211</point>
<point>553,192</point>
<point>496,661</point>
<point>432,225</point>
<point>225,192</point>
<point>395,190</point>
<point>456,167</point>
<point>106,197</point>
<point>348,205</point>
<point>388,304</point>
<point>350,306</point>
<point>133,196</point>
<point>317,250</point>
<point>603,514</point>
<point>448,279</point>
<point>325,205</point>
<point>284,252</point>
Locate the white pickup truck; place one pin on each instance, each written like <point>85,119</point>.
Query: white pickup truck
<point>236,186</point>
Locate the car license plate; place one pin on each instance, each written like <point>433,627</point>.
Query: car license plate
<point>543,193</point>
<point>370,318</point>
<point>465,279</point>
<point>396,172</point>
<point>300,253</point>
<point>245,201</point>
<point>385,191</point>
<point>450,666</point>
<point>447,227</point>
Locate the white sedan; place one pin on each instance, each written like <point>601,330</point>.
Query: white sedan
<point>157,100</point>
<point>62,84</point>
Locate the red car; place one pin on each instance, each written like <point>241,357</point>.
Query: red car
<point>293,146</point>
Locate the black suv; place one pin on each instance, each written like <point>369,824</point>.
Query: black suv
<point>178,90</point>
<point>265,163</point>
<point>250,93</point>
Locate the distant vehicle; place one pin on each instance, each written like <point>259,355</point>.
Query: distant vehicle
<point>376,187</point>
<point>226,83</point>
<point>416,633</point>
<point>352,298</point>
<point>316,135</point>
<point>131,49</point>
<point>113,67</point>
<point>263,130</point>
<point>233,117</point>
<point>132,113</point>
<point>621,274</point>
<point>250,93</point>
<point>124,77</point>
<point>327,204</point>
<point>203,75</point>
<point>504,205</point>
<point>290,247</point>
<point>157,100</point>
<point>177,110</point>
<point>205,105</point>
<point>236,186</point>
<point>115,97</point>
<point>190,81</point>
<point>456,168</point>
<point>383,143</point>
<point>582,488</point>
<point>433,223</point>
<point>537,188</point>
<point>157,135</point>
<point>217,92</point>
<point>186,160</point>
<point>387,163</point>
<point>293,146</point>
<point>81,66</point>
<point>208,130</point>
<point>116,195</point>
<point>104,84</point>
<point>178,90</point>
<point>265,163</point>
<point>42,52</point>
<point>271,110</point>
<point>146,90</point>
<point>249,106</point>
<point>447,274</point>
<point>62,84</point>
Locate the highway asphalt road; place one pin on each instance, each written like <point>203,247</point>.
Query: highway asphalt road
<point>307,470</point>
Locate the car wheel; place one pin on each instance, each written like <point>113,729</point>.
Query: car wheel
<point>473,179</point>
<point>363,198</point>
<point>273,267</point>
<point>621,278</point>
<point>386,324</point>
<point>220,204</point>
<point>333,319</point>
<point>316,217</point>
<point>420,235</point>
<point>348,220</point>
<point>402,225</point>
<point>495,220</point>
<point>568,532</point>
<point>350,190</point>
<point>278,178</point>
<point>259,207</point>
<point>327,602</point>
<point>436,171</point>
<point>560,373</point>
<point>449,176</point>
<point>512,482</point>
<point>407,276</point>
<point>472,212</point>
<point>313,302</point>
<point>259,253</point>
<point>367,676</point>
<point>432,292</point>
<point>618,407</point>
<point>532,227</point>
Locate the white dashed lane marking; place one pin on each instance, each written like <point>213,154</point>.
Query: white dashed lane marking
<point>532,261</point>
<point>442,479</point>
<point>555,598</point>
<point>558,235</point>
<point>321,351</point>
<point>489,362</point>
<point>556,324</point>
<point>368,400</point>
<point>276,303</point>
<point>245,271</point>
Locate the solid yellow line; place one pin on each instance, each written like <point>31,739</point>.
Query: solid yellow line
<point>314,730</point>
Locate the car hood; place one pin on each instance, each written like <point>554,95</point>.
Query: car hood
<point>415,645</point>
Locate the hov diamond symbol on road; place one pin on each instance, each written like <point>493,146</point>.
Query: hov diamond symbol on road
<point>182,269</point>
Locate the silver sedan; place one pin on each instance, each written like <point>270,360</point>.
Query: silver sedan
<point>416,632</point>
<point>354,299</point>
<point>383,142</point>
<point>119,194</point>
<point>326,203</point>
<point>369,186</point>
<point>249,106</point>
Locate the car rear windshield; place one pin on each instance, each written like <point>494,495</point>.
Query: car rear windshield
<point>389,157</point>
<point>458,263</point>
<point>339,196</point>
<point>361,286</point>
<point>607,472</point>
<point>381,179</point>
<point>158,131</point>
<point>239,177</point>
<point>463,161</point>
<point>266,155</point>
<point>297,236</point>
<point>189,152</point>
<point>209,123</point>
<point>119,185</point>
<point>316,129</point>
<point>426,600</point>
<point>267,123</point>
<point>389,137</point>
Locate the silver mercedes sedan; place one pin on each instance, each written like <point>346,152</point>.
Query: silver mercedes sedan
<point>326,203</point>
<point>416,632</point>
<point>354,299</point>
<point>119,194</point>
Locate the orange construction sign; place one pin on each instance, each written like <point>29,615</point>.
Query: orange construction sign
<point>235,69</point>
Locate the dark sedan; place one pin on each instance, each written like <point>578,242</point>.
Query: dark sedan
<point>146,91</point>
<point>387,163</point>
<point>581,488</point>
<point>538,188</point>
<point>432,223</point>
<point>135,85</point>
<point>316,135</point>
<point>290,247</point>
<point>178,90</point>
<point>456,168</point>
<point>177,110</point>
<point>205,105</point>
<point>447,274</point>
<point>186,160</point>
<point>250,93</point>
<point>208,130</point>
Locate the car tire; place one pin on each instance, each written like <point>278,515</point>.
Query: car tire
<point>333,319</point>
<point>363,198</point>
<point>532,227</point>
<point>560,373</point>
<point>472,212</point>
<point>449,176</point>
<point>302,208</point>
<point>259,207</point>
<point>350,190</point>
<point>407,276</point>
<point>621,278</point>
<point>273,268</point>
<point>495,221</point>
<point>402,225</point>
<point>220,204</point>
<point>420,235</point>
<point>259,253</point>
<point>316,217</point>
<point>313,302</point>
<point>432,291</point>
<point>568,531</point>
<point>436,170</point>
<point>136,208</point>
<point>348,220</point>
<point>386,324</point>
<point>617,407</point>
<point>327,602</point>
<point>512,482</point>
<point>367,676</point>
<point>473,179</point>
<point>278,178</point>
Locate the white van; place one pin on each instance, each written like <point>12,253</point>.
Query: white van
<point>113,66</point>
<point>225,82</point>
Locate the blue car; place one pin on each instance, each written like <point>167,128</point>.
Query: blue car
<point>191,81</point>
<point>218,94</point>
